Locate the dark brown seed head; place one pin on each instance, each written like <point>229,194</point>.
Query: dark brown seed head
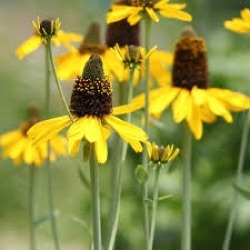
<point>47,27</point>
<point>190,62</point>
<point>92,94</point>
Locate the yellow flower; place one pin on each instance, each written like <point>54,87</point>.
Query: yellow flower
<point>43,29</point>
<point>139,9</point>
<point>240,25</point>
<point>91,107</point>
<point>71,64</point>
<point>159,154</point>
<point>191,98</point>
<point>17,146</point>
<point>159,62</point>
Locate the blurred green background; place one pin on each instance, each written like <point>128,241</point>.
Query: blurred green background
<point>214,157</point>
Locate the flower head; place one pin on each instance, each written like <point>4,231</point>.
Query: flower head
<point>91,107</point>
<point>46,29</point>
<point>122,33</point>
<point>71,64</point>
<point>133,57</point>
<point>17,146</point>
<point>139,9</point>
<point>191,98</point>
<point>240,25</point>
<point>161,155</point>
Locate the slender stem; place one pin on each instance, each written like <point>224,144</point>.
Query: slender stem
<point>154,206</point>
<point>48,163</point>
<point>146,128</point>
<point>57,80</point>
<point>233,210</point>
<point>32,208</point>
<point>128,118</point>
<point>116,177</point>
<point>95,197</point>
<point>47,82</point>
<point>186,191</point>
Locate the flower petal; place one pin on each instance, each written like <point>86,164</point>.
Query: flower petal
<point>101,147</point>
<point>126,129</point>
<point>45,130</point>
<point>152,14</point>
<point>181,105</point>
<point>28,46</point>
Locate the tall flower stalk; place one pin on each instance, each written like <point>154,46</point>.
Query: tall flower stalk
<point>146,128</point>
<point>238,178</point>
<point>32,208</point>
<point>186,190</point>
<point>95,199</point>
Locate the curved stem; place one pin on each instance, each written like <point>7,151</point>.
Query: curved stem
<point>32,208</point>
<point>95,198</point>
<point>186,191</point>
<point>233,210</point>
<point>146,128</point>
<point>48,163</point>
<point>154,207</point>
<point>57,80</point>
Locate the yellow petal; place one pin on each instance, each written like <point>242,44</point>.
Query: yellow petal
<point>218,107</point>
<point>135,144</point>
<point>180,105</point>
<point>28,46</point>
<point>101,147</point>
<point>135,17</point>
<point>194,119</point>
<point>161,98</point>
<point>88,127</point>
<point>234,101</point>
<point>172,11</point>
<point>118,13</point>
<point>152,14</point>
<point>10,137</point>
<point>126,129</point>
<point>73,146</point>
<point>45,130</point>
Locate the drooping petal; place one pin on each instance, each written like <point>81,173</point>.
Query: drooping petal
<point>218,107</point>
<point>88,127</point>
<point>30,45</point>
<point>194,119</point>
<point>73,146</point>
<point>101,147</point>
<point>234,101</point>
<point>161,98</point>
<point>10,138</point>
<point>181,105</point>
<point>126,129</point>
<point>152,14</point>
<point>118,13</point>
<point>135,144</point>
<point>45,130</point>
<point>135,17</point>
<point>173,11</point>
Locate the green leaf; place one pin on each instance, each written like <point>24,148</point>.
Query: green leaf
<point>141,174</point>
<point>165,197</point>
<point>243,191</point>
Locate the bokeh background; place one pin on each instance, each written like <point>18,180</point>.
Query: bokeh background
<point>214,157</point>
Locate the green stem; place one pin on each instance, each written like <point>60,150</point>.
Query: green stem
<point>116,176</point>
<point>154,206</point>
<point>128,118</point>
<point>233,210</point>
<point>47,82</point>
<point>32,208</point>
<point>51,205</point>
<point>146,128</point>
<point>95,198</point>
<point>57,80</point>
<point>186,191</point>
<point>48,163</point>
